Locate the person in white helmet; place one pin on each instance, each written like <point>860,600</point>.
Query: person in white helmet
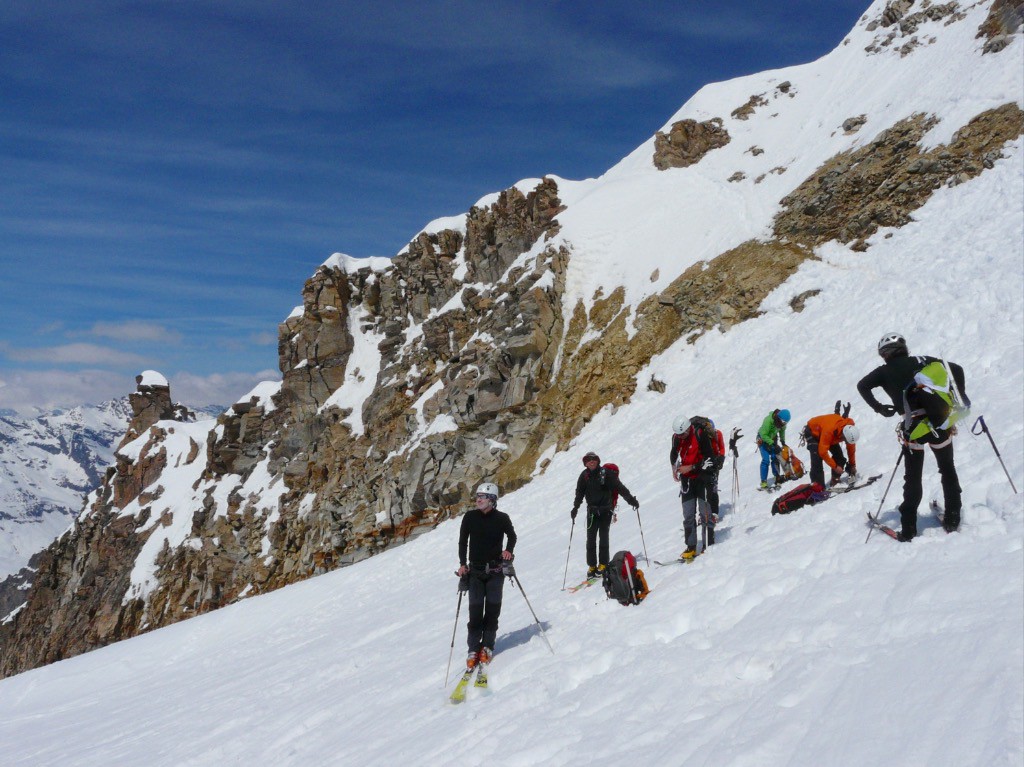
<point>486,540</point>
<point>924,425</point>
<point>824,434</point>
<point>696,457</point>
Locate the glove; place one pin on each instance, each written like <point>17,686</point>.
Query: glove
<point>835,478</point>
<point>708,465</point>
<point>736,436</point>
<point>851,470</point>
<point>572,514</point>
<point>635,505</point>
<point>886,410</point>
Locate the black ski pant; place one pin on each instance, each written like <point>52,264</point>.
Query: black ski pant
<point>599,518</point>
<point>713,496</point>
<point>485,589</point>
<point>695,492</point>
<point>913,467</point>
<point>818,465</point>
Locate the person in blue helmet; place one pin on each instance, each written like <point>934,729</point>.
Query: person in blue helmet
<point>770,439</point>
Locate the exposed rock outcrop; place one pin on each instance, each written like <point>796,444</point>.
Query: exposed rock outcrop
<point>883,183</point>
<point>151,402</point>
<point>687,142</point>
<point>744,112</point>
<point>1005,19</point>
<point>902,26</point>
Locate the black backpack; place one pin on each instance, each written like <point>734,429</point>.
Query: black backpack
<point>623,581</point>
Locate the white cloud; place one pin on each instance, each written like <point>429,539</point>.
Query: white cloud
<point>80,354</point>
<point>264,339</point>
<point>135,330</point>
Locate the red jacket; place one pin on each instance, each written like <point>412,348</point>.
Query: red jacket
<point>687,451</point>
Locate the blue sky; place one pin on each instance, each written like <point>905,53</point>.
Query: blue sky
<point>172,172</point>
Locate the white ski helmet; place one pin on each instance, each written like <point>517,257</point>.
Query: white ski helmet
<point>681,424</point>
<point>488,488</point>
<point>890,343</point>
<point>851,433</point>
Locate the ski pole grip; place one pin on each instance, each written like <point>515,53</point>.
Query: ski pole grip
<point>984,428</point>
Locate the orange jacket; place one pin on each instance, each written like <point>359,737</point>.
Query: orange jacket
<point>828,430</point>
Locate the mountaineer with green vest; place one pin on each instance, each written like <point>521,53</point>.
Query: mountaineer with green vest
<point>931,404</point>
<point>771,438</point>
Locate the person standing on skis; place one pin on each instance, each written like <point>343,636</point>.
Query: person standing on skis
<point>922,393</point>
<point>481,556</point>
<point>599,485</point>
<point>824,434</point>
<point>770,439</point>
<point>695,465</point>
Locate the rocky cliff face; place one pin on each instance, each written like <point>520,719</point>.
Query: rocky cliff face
<point>465,358</point>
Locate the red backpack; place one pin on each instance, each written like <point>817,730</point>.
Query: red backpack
<point>615,493</point>
<point>800,496</point>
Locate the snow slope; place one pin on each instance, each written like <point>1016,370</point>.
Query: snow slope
<point>791,643</point>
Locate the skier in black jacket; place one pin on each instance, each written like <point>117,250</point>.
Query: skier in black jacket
<point>599,485</point>
<point>481,535</point>
<point>897,378</point>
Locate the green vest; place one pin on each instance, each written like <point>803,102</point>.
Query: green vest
<point>933,379</point>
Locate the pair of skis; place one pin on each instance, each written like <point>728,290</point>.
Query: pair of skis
<point>702,540</point>
<point>462,686</point>
<point>936,509</point>
<point>580,586</point>
<point>857,484</point>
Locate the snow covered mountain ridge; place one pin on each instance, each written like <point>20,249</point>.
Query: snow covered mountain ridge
<point>498,338</point>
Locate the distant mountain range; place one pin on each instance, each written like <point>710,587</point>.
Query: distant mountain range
<point>47,465</point>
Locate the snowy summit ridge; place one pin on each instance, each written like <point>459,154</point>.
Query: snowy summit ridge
<point>800,214</point>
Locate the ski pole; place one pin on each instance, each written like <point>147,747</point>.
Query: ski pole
<point>736,435</point>
<point>735,483</point>
<point>566,574</point>
<point>511,572</point>
<point>455,628</point>
<point>984,428</point>
<point>893,476</point>
<point>641,524</point>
